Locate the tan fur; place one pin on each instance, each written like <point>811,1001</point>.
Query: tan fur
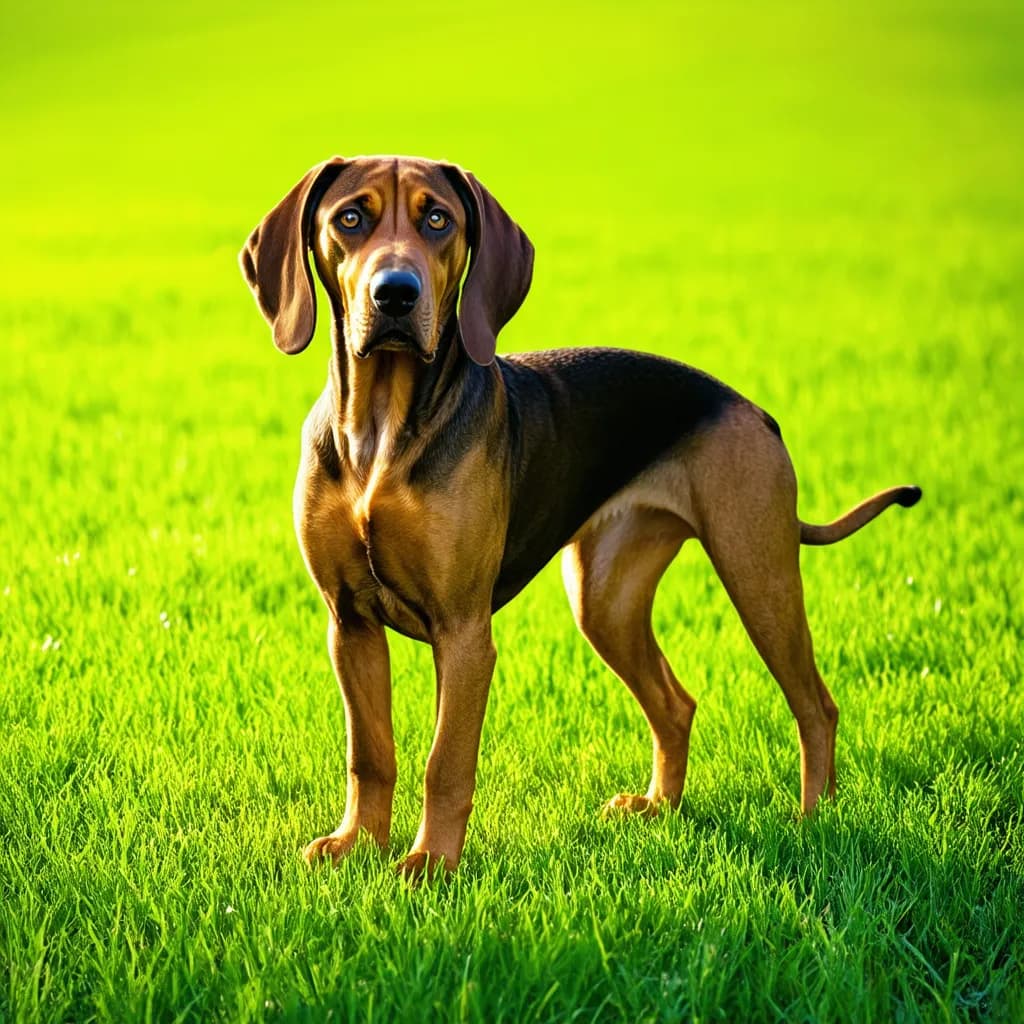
<point>386,550</point>
<point>398,549</point>
<point>734,489</point>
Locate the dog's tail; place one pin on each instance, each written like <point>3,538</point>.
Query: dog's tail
<point>842,527</point>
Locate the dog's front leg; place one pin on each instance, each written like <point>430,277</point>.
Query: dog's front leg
<point>464,658</point>
<point>360,657</point>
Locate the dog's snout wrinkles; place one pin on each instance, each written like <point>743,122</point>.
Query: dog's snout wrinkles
<point>395,292</point>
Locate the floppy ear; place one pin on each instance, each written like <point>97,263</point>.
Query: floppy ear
<point>275,264</point>
<point>500,268</point>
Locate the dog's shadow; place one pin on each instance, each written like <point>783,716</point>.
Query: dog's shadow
<point>902,830</point>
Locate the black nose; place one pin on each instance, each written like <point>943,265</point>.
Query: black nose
<point>394,292</point>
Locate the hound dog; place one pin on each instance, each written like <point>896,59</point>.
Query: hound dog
<point>436,480</point>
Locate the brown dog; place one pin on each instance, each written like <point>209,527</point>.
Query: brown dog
<point>437,480</point>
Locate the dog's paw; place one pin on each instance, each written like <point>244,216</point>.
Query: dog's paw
<point>420,866</point>
<point>630,803</point>
<point>332,847</point>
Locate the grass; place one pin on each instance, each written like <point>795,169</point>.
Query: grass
<point>821,206</point>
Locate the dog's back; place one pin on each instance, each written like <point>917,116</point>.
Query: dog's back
<point>583,424</point>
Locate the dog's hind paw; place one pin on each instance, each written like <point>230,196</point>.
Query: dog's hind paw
<point>630,803</point>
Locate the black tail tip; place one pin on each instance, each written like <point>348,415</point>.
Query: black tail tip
<point>908,496</point>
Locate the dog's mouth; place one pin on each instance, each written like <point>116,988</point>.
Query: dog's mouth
<point>395,339</point>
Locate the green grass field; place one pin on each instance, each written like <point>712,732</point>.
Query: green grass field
<point>821,204</point>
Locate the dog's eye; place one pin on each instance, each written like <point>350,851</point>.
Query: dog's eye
<point>438,220</point>
<point>349,219</point>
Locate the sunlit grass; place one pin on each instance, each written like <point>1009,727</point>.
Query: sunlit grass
<point>821,207</point>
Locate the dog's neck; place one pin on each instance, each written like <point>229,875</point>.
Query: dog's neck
<point>379,399</point>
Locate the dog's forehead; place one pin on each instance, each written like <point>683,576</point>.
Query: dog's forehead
<point>385,173</point>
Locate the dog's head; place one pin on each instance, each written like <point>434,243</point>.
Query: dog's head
<point>390,238</point>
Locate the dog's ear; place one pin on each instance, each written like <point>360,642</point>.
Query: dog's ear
<point>500,268</point>
<point>275,263</point>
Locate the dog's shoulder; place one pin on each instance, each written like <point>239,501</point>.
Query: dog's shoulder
<point>319,450</point>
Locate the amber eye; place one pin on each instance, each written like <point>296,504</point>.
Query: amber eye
<point>349,219</point>
<point>438,220</point>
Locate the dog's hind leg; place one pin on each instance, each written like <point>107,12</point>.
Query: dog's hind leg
<point>611,571</point>
<point>770,603</point>
<point>749,527</point>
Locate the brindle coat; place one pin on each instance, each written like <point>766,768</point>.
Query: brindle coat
<point>436,480</point>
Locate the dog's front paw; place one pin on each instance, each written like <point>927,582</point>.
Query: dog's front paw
<point>629,803</point>
<point>422,866</point>
<point>334,846</point>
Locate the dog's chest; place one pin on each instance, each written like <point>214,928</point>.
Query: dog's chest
<point>381,558</point>
<point>383,547</point>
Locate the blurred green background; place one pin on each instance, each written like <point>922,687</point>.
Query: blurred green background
<point>820,203</point>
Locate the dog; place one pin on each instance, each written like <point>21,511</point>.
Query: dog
<point>436,480</point>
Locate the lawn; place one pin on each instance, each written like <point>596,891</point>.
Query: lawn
<point>820,204</point>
